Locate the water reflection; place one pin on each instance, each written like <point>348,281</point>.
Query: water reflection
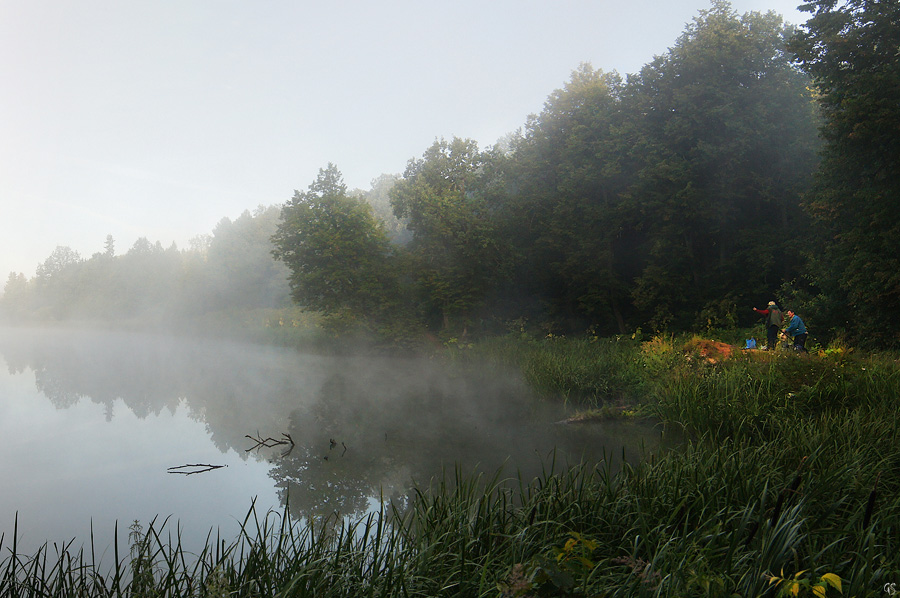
<point>360,427</point>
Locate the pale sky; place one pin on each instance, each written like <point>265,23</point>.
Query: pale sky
<point>157,118</point>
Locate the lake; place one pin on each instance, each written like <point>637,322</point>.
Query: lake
<point>105,428</point>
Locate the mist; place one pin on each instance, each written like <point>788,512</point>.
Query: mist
<point>360,429</point>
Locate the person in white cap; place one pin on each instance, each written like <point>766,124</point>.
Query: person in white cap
<point>773,323</point>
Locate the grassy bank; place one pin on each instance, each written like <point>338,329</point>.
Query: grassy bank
<point>802,448</point>
<point>789,479</point>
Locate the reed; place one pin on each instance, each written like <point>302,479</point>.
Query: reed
<point>791,468</point>
<point>584,370</point>
<point>683,523</point>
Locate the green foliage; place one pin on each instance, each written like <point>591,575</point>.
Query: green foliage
<point>142,563</point>
<point>379,197</point>
<point>338,254</point>
<point>669,199</point>
<point>563,573</point>
<point>673,196</point>
<point>455,253</point>
<point>849,48</point>
<point>239,272</point>
<point>592,370</point>
<point>54,279</point>
<point>565,220</point>
<point>15,298</point>
<point>723,148</point>
<point>798,585</point>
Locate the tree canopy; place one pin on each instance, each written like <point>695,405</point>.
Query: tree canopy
<point>674,196</point>
<point>454,252</point>
<point>749,162</point>
<point>337,252</point>
<point>850,48</point>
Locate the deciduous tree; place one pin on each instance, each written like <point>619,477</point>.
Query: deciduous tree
<point>850,48</point>
<point>567,173</point>
<point>337,252</point>
<point>456,253</point>
<point>723,128</point>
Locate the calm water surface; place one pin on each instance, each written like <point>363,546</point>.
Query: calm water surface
<point>92,424</point>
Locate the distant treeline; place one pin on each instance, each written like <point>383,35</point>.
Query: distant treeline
<point>148,285</point>
<point>750,162</point>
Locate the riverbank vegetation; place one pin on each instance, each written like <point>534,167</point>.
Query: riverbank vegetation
<point>787,476</point>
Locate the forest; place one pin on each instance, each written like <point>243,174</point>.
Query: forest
<point>752,161</point>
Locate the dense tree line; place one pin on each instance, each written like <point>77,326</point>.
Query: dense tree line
<point>850,49</point>
<point>749,162</point>
<point>668,199</point>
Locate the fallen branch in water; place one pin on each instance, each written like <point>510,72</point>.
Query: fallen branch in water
<point>192,468</point>
<point>268,442</point>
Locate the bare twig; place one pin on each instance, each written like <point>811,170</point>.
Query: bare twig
<point>192,468</point>
<point>268,442</point>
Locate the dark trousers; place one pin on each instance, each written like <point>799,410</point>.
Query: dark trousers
<point>771,337</point>
<point>800,342</point>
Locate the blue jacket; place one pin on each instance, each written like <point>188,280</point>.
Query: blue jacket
<point>796,326</point>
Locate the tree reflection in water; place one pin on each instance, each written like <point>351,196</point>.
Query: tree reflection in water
<point>363,428</point>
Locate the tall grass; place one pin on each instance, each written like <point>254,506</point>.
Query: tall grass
<point>690,522</point>
<point>791,467</point>
<point>588,370</point>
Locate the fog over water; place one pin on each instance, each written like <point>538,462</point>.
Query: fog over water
<point>93,422</point>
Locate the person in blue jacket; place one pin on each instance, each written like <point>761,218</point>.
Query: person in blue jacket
<point>796,329</point>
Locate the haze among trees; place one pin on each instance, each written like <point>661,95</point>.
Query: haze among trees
<point>228,271</point>
<point>749,162</point>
